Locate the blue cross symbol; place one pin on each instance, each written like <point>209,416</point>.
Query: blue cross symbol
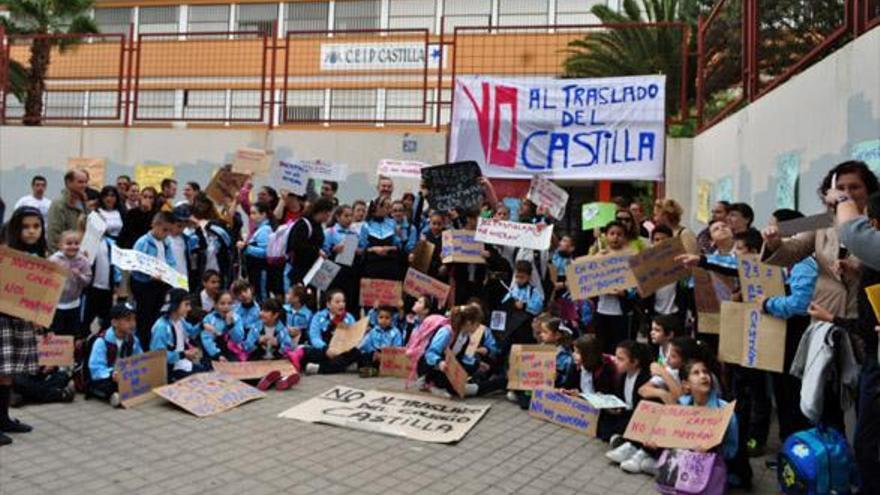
<point>435,53</point>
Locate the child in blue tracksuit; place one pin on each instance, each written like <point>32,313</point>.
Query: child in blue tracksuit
<point>149,294</point>
<point>432,366</point>
<point>255,249</point>
<point>334,237</point>
<point>223,332</point>
<point>117,342</point>
<point>384,334</point>
<point>245,307</point>
<point>271,340</point>
<point>299,316</point>
<point>523,296</point>
<point>173,334</point>
<point>316,357</point>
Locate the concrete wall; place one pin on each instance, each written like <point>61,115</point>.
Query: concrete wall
<point>819,115</point>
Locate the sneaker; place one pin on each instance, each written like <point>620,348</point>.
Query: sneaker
<point>312,369</point>
<point>270,379</point>
<point>649,466</point>
<point>115,400</point>
<point>633,465</point>
<point>616,440</point>
<point>287,382</point>
<point>15,426</point>
<point>4,440</point>
<point>622,453</point>
<point>471,390</point>
<point>439,392</point>
<point>511,396</point>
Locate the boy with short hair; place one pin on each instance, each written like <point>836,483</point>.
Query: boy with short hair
<point>383,334</point>
<point>149,293</point>
<point>524,296</point>
<point>245,307</point>
<point>115,343</point>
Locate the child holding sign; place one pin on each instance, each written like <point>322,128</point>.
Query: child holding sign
<point>334,244</point>
<point>173,334</point>
<point>223,332</point>
<point>431,368</point>
<point>317,356</point>
<point>611,317</point>
<point>383,334</point>
<point>117,342</point>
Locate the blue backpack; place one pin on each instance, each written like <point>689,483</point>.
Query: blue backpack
<point>816,461</point>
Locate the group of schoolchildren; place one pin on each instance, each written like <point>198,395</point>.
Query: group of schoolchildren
<point>617,343</point>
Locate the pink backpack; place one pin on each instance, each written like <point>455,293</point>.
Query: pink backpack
<point>685,472</point>
<point>419,340</point>
<point>276,251</point>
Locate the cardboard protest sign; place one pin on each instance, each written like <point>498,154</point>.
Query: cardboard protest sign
<point>545,194</point>
<point>30,287</point>
<point>207,394</point>
<point>140,374</point>
<point>456,373</point>
<point>416,417</point>
<point>604,401</point>
<point>393,361</point>
<point>821,221</point>
<point>656,267</point>
<point>225,185</point>
<point>251,161</point>
<point>346,338</point>
<point>563,410</point>
<point>349,248</point>
<point>401,168</point>
<point>459,246</point>
<point>55,350</point>
<point>454,185</point>
<point>597,215</point>
<point>321,274</point>
<point>418,284</point>
<point>253,370</point>
<point>710,289</point>
<point>91,240</point>
<point>95,167</point>
<point>758,279</point>
<point>515,234</point>
<point>292,176</point>
<point>751,338</point>
<point>152,175</point>
<point>531,367</point>
<point>873,293</point>
<point>679,427</point>
<point>422,254</point>
<point>136,261</point>
<point>474,341</point>
<point>382,292</point>
<point>590,276</point>
<point>321,170</point>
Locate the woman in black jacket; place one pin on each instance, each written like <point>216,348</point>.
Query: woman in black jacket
<point>306,238</point>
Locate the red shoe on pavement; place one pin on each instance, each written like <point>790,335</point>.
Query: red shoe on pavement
<point>270,379</point>
<point>287,382</point>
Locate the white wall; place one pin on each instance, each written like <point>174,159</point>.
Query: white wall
<point>820,114</point>
<point>27,151</point>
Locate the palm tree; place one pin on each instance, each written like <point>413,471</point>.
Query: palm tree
<point>636,51</point>
<point>42,17</point>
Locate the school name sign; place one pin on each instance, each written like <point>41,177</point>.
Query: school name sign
<point>608,128</point>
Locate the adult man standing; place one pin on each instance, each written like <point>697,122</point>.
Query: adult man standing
<point>37,198</point>
<point>66,210</point>
<point>169,191</point>
<point>385,187</point>
<point>123,182</point>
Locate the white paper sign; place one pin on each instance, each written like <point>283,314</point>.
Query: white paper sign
<point>136,261</point>
<point>91,241</point>
<point>401,168</point>
<point>604,401</point>
<point>498,321</point>
<point>609,128</point>
<point>524,235</point>
<point>319,169</point>
<point>321,275</point>
<point>349,246</point>
<point>544,193</point>
<point>293,176</point>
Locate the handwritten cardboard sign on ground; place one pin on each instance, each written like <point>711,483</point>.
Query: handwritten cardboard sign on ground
<point>140,374</point>
<point>95,167</point>
<point>418,284</point>
<point>454,185</point>
<point>416,417</point>
<point>346,338</point>
<point>393,361</point>
<point>515,234</point>
<point>30,287</point>
<point>531,367</point>
<point>751,338</point>
<point>251,161</point>
<point>590,276</point>
<point>422,254</point>
<point>679,427</point>
<point>225,185</point>
<point>207,394</point>
<point>253,370</point>
<point>655,267</point>
<point>758,279</point>
<point>546,194</point>
<point>55,350</point>
<point>456,373</point>
<point>382,292</point>
<point>563,410</point>
<point>459,246</point>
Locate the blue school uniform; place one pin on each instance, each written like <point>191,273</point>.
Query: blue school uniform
<point>279,331</point>
<point>407,234</point>
<point>379,338</point>
<point>528,295</point>
<point>334,236</point>
<point>256,250</point>
<point>225,331</point>
<point>259,241</point>
<point>149,245</point>
<point>319,329</point>
<point>373,316</point>
<point>436,350</point>
<point>802,282</point>
<point>164,337</point>
<point>560,262</point>
<point>249,315</point>
<point>488,341</point>
<point>565,367</point>
<point>99,366</point>
<point>298,318</point>
<point>381,230</point>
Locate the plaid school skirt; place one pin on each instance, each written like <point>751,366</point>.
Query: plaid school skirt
<point>18,346</point>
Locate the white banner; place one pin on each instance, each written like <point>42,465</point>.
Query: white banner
<point>400,168</point>
<point>91,241</point>
<point>524,235</point>
<point>544,193</point>
<point>380,56</point>
<point>609,128</point>
<point>136,261</point>
<point>319,169</point>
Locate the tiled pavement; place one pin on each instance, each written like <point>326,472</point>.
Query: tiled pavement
<point>88,448</point>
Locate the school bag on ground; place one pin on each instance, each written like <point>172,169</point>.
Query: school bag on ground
<point>421,337</point>
<point>685,472</point>
<point>81,373</point>
<point>816,461</point>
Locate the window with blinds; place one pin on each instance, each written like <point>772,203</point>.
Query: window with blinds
<point>204,104</point>
<point>208,18</point>
<point>352,104</point>
<point>64,104</point>
<point>103,104</point>
<point>114,21</point>
<point>522,12</point>
<point>155,104</point>
<point>256,17</point>
<point>158,19</point>
<point>466,13</point>
<point>245,104</point>
<point>304,105</point>
<point>407,105</point>
<point>578,11</point>
<point>357,14</point>
<point>307,16</point>
<point>412,14</point>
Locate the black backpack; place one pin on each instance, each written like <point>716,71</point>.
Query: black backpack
<point>81,373</point>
